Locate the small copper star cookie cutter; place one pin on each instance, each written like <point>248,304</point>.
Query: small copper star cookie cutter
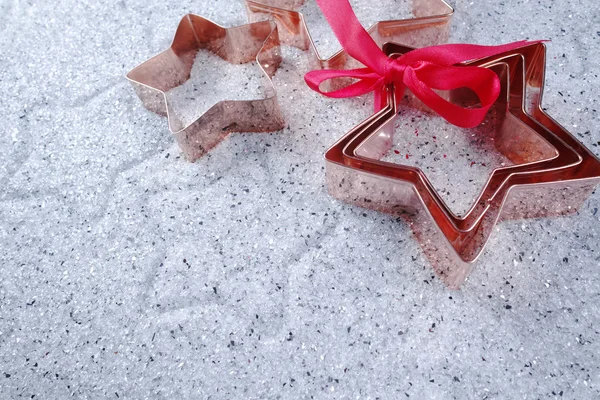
<point>553,174</point>
<point>259,42</point>
<point>429,26</point>
<point>256,42</point>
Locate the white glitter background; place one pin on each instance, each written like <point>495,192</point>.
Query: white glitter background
<point>130,273</point>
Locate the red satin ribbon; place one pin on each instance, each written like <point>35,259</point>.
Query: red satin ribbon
<point>420,70</point>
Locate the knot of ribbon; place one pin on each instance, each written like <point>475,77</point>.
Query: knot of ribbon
<point>421,71</point>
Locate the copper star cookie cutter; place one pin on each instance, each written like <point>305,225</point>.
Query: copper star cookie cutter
<point>547,185</point>
<point>519,138</point>
<point>430,26</point>
<point>257,42</point>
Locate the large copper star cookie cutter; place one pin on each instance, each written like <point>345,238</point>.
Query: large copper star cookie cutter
<point>545,185</point>
<point>257,42</point>
<point>519,138</point>
<point>429,26</point>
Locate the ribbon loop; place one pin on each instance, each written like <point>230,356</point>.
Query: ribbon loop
<point>421,70</point>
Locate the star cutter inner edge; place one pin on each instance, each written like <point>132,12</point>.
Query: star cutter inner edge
<point>558,187</point>
<point>255,42</point>
<point>531,147</point>
<point>528,69</point>
<point>430,26</point>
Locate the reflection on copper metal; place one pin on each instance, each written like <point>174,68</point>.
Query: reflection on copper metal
<point>429,26</point>
<point>552,173</point>
<point>242,44</point>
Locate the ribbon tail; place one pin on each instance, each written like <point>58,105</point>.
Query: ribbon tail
<point>450,54</point>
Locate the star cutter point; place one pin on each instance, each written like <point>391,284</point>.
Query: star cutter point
<point>255,42</point>
<point>547,186</point>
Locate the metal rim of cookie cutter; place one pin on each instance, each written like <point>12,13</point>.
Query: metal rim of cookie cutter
<point>520,135</point>
<point>466,241</point>
<point>555,186</point>
<point>430,26</point>
<point>255,42</point>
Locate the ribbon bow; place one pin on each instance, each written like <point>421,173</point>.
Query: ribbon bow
<point>420,70</point>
